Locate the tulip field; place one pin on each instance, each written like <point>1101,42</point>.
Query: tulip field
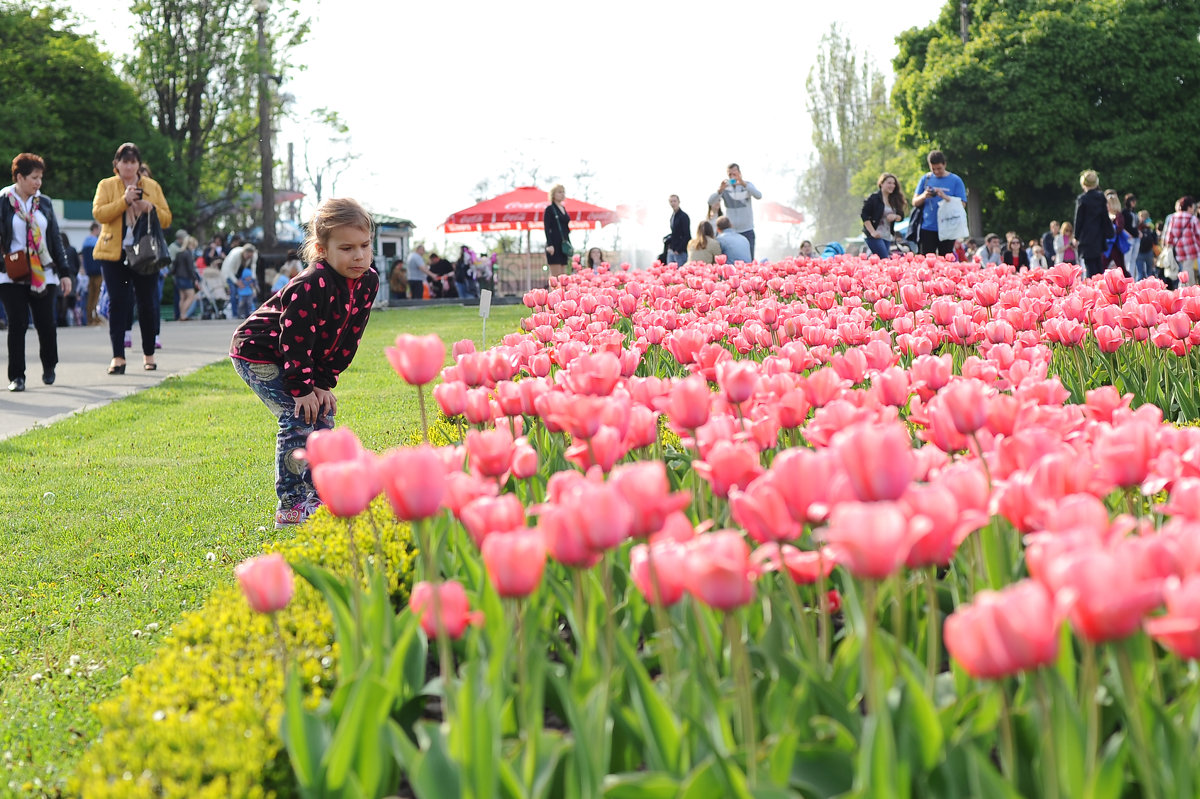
<point>822,528</point>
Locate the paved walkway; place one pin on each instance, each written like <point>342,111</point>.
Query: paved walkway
<point>83,382</point>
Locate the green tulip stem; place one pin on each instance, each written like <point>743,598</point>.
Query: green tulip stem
<point>1133,712</point>
<point>378,538</point>
<point>870,689</point>
<point>740,664</point>
<point>933,630</point>
<point>283,650</point>
<point>610,631</point>
<point>1050,757</point>
<point>1008,759</point>
<point>666,632</point>
<point>822,617</point>
<point>1089,685</point>
<point>424,418</point>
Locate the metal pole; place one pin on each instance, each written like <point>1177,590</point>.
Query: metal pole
<point>264,139</point>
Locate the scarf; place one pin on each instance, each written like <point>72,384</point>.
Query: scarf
<point>35,244</point>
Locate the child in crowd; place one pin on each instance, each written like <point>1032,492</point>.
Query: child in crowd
<point>291,350</point>
<point>246,289</point>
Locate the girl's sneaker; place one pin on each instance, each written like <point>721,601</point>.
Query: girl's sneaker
<point>297,514</point>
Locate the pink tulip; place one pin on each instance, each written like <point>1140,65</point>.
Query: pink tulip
<point>525,460</point>
<point>878,460</point>
<point>871,539</point>
<point>1110,601</point>
<point>325,446</point>
<point>562,532</point>
<point>414,480</point>
<point>490,451</point>
<point>515,561</point>
<point>451,397</point>
<point>1004,633</point>
<point>594,374</point>
<point>417,359</point>
<point>665,562</point>
<point>719,572</point>
<point>762,511</point>
<point>689,403</point>
<point>1124,453</point>
<point>455,612</point>
<point>965,403</point>
<point>737,380</point>
<point>603,449</point>
<point>728,465</point>
<point>266,581</point>
<point>486,515</point>
<point>803,566</point>
<point>1179,629</point>
<point>647,491</point>
<point>346,487</point>
<point>462,347</point>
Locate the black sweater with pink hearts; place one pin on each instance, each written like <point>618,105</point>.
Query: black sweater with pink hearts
<point>310,328</point>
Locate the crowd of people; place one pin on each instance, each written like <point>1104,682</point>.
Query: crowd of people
<point>425,276</point>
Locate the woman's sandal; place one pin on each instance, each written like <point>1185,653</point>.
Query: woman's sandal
<point>116,369</point>
<point>150,367</point>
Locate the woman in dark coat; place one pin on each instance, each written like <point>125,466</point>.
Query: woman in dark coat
<point>558,232</point>
<point>29,233</point>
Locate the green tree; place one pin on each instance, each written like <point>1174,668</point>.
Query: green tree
<point>854,136</point>
<point>198,64</point>
<point>1043,89</point>
<point>63,101</point>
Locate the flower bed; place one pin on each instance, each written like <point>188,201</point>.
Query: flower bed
<point>903,539</point>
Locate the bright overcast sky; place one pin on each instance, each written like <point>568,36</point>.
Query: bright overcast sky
<point>656,96</point>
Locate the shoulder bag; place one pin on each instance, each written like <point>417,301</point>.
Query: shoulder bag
<point>16,265</point>
<point>148,253</point>
<point>564,228</point>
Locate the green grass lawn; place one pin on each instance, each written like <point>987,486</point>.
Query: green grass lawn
<point>118,519</point>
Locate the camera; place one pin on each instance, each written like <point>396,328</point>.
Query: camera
<point>139,192</point>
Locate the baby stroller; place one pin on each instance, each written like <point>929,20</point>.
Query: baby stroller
<point>211,294</point>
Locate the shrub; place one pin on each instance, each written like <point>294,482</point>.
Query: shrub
<point>201,719</point>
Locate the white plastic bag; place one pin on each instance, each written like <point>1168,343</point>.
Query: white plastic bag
<point>952,219</point>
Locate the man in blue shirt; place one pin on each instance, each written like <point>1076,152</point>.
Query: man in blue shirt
<point>734,245</point>
<point>95,278</point>
<point>935,186</point>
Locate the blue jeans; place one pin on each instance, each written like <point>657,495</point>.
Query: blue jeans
<point>749,234</point>
<point>879,246</point>
<point>678,258</point>
<point>466,289</point>
<point>1144,266</point>
<point>293,478</point>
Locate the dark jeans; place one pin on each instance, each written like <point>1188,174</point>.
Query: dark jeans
<point>749,234</point>
<point>931,243</point>
<point>416,289</point>
<point>879,247</point>
<point>124,285</point>
<point>1093,265</point>
<point>293,478</point>
<point>19,299</point>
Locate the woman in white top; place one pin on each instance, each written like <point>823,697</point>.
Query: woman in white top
<point>33,254</point>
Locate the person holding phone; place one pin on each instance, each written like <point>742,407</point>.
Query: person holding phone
<point>119,202</point>
<point>736,192</point>
<point>936,185</point>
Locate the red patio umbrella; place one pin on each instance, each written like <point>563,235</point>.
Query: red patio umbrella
<point>523,209</point>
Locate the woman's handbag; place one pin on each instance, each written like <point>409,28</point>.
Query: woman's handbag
<point>913,234</point>
<point>1167,262</point>
<point>16,266</point>
<point>565,231</point>
<point>148,253</point>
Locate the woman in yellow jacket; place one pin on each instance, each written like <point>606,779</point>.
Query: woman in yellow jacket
<point>120,201</point>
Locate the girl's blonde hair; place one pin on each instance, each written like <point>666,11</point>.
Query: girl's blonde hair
<point>1114,202</point>
<point>557,187</point>
<point>329,216</point>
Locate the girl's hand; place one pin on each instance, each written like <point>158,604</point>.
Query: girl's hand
<point>308,408</point>
<point>327,400</point>
<point>549,250</point>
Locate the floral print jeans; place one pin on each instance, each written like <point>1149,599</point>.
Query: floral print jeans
<point>293,478</point>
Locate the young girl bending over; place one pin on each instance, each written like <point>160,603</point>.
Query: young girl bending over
<point>291,350</point>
